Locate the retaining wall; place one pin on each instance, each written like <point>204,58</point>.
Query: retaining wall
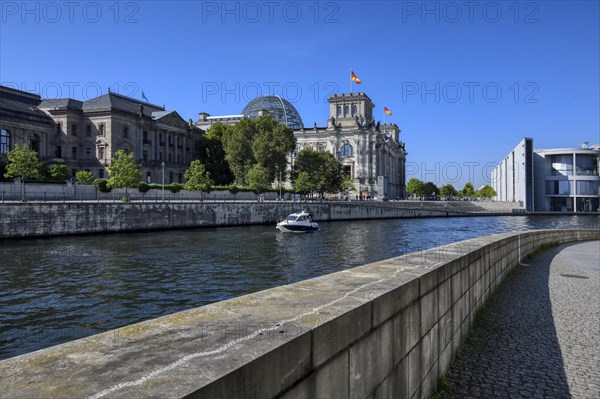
<point>50,219</point>
<point>385,330</point>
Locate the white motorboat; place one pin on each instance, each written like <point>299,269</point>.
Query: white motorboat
<point>298,223</point>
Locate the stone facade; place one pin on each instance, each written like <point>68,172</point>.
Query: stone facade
<point>371,153</point>
<point>21,122</point>
<point>85,135</point>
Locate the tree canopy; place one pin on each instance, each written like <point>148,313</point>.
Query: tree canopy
<point>198,178</point>
<point>84,177</point>
<point>416,187</point>
<point>468,190</point>
<point>59,172</point>
<point>212,155</point>
<point>237,142</point>
<point>258,178</point>
<point>486,192</point>
<point>448,191</point>
<point>322,172</point>
<point>262,141</point>
<point>273,144</point>
<point>124,171</point>
<point>23,163</point>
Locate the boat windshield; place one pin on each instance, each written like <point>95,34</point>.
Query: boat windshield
<point>292,218</point>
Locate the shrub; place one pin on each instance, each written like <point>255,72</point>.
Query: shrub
<point>174,187</point>
<point>84,177</point>
<point>143,187</point>
<point>102,185</point>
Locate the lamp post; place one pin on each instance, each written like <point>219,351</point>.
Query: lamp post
<point>163,181</point>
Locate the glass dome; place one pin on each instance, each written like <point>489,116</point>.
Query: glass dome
<point>280,109</point>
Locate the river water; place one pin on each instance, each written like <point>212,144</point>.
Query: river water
<point>59,289</point>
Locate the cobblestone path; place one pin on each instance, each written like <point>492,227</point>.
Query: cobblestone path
<point>540,335</point>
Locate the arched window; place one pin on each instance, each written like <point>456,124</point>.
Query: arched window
<point>347,110</point>
<point>354,110</point>
<point>34,142</point>
<point>346,150</point>
<point>4,141</point>
<point>339,110</point>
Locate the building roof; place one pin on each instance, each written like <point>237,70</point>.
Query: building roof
<point>13,106</point>
<point>61,103</point>
<point>118,102</point>
<point>9,93</point>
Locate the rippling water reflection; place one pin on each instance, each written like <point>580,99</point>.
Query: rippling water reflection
<point>56,290</point>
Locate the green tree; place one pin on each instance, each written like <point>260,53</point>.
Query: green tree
<point>347,183</point>
<point>468,190</point>
<point>84,177</point>
<point>59,172</point>
<point>212,155</point>
<point>123,171</point>
<point>323,170</point>
<point>23,163</point>
<point>303,183</point>
<point>258,178</point>
<point>237,142</point>
<point>198,178</point>
<point>273,144</point>
<point>486,192</point>
<point>448,191</point>
<point>430,188</point>
<point>415,187</point>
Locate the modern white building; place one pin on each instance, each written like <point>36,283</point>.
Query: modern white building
<point>550,180</point>
<point>512,179</point>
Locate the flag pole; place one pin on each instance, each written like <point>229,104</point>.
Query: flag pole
<point>351,81</point>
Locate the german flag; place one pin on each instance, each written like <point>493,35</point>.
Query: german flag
<point>354,78</point>
<point>387,111</point>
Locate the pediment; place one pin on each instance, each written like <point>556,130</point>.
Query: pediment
<point>173,119</point>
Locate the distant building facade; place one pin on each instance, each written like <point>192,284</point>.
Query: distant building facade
<point>371,153</point>
<point>550,180</point>
<point>21,122</point>
<point>278,108</point>
<point>85,135</point>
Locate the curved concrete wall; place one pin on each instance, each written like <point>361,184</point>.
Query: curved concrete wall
<point>387,329</point>
<point>49,219</point>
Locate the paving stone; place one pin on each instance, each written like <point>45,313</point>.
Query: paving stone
<point>540,334</point>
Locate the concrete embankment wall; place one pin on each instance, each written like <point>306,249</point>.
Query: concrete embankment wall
<point>384,330</point>
<point>47,219</point>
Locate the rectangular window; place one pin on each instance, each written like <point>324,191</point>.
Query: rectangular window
<point>58,152</point>
<point>88,130</point>
<point>148,177</point>
<point>170,177</point>
<point>58,128</point>
<point>101,153</point>
<point>74,173</point>
<point>180,176</point>
<point>170,157</point>
<point>101,128</point>
<point>145,156</point>
<point>101,173</point>
<point>160,156</point>
<point>74,129</point>
<point>73,152</point>
<point>125,132</point>
<point>88,153</point>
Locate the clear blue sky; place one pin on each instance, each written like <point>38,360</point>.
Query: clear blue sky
<point>465,83</point>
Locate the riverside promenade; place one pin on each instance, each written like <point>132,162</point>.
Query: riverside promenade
<point>539,336</point>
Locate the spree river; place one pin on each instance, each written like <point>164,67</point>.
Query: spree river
<point>59,289</point>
